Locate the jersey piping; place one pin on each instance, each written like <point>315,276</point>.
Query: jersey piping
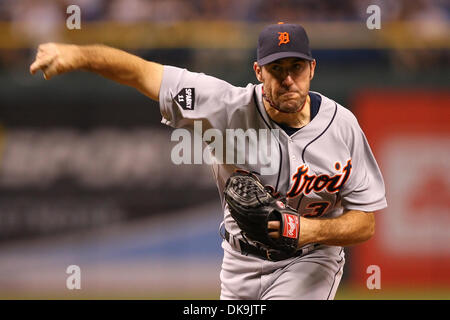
<point>329,124</point>
<point>279,144</point>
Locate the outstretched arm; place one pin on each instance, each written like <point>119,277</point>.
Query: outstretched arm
<point>115,64</point>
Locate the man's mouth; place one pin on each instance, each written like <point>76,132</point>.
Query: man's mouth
<point>287,94</point>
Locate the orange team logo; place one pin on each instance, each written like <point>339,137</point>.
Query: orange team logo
<point>283,37</point>
<point>304,183</point>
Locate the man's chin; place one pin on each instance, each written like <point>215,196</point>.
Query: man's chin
<point>289,107</point>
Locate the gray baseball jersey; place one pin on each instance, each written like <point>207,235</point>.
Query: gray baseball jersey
<point>323,168</point>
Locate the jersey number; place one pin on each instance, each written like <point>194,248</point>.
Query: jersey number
<point>318,208</point>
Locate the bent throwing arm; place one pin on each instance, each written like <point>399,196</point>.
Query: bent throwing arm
<point>114,64</point>
<point>351,228</point>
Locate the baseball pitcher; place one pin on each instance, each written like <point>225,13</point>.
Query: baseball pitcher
<point>291,204</point>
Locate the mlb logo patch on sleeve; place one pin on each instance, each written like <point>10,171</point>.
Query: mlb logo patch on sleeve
<point>186,98</point>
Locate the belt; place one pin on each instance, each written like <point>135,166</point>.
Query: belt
<point>261,252</point>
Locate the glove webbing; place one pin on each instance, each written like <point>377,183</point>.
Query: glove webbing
<point>259,252</point>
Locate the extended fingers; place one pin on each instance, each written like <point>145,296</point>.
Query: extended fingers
<point>274,229</point>
<point>44,58</point>
<point>40,63</point>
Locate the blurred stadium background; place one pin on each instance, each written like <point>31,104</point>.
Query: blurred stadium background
<point>85,171</point>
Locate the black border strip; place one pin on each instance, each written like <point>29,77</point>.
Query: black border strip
<point>225,309</point>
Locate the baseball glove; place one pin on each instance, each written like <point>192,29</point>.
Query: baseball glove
<point>252,206</point>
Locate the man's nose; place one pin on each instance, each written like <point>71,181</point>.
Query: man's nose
<point>287,79</point>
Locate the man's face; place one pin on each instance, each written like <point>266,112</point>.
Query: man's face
<point>286,82</point>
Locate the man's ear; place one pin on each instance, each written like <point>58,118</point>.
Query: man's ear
<point>258,71</point>
<point>312,68</point>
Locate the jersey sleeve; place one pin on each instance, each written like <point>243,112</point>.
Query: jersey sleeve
<point>188,96</point>
<point>365,188</point>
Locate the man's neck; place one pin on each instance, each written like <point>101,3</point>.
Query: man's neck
<point>293,120</point>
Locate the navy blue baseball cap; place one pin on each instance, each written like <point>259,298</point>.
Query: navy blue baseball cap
<point>282,40</point>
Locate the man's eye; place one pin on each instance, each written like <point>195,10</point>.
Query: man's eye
<point>276,68</point>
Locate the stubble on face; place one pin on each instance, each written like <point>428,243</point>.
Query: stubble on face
<point>286,83</point>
